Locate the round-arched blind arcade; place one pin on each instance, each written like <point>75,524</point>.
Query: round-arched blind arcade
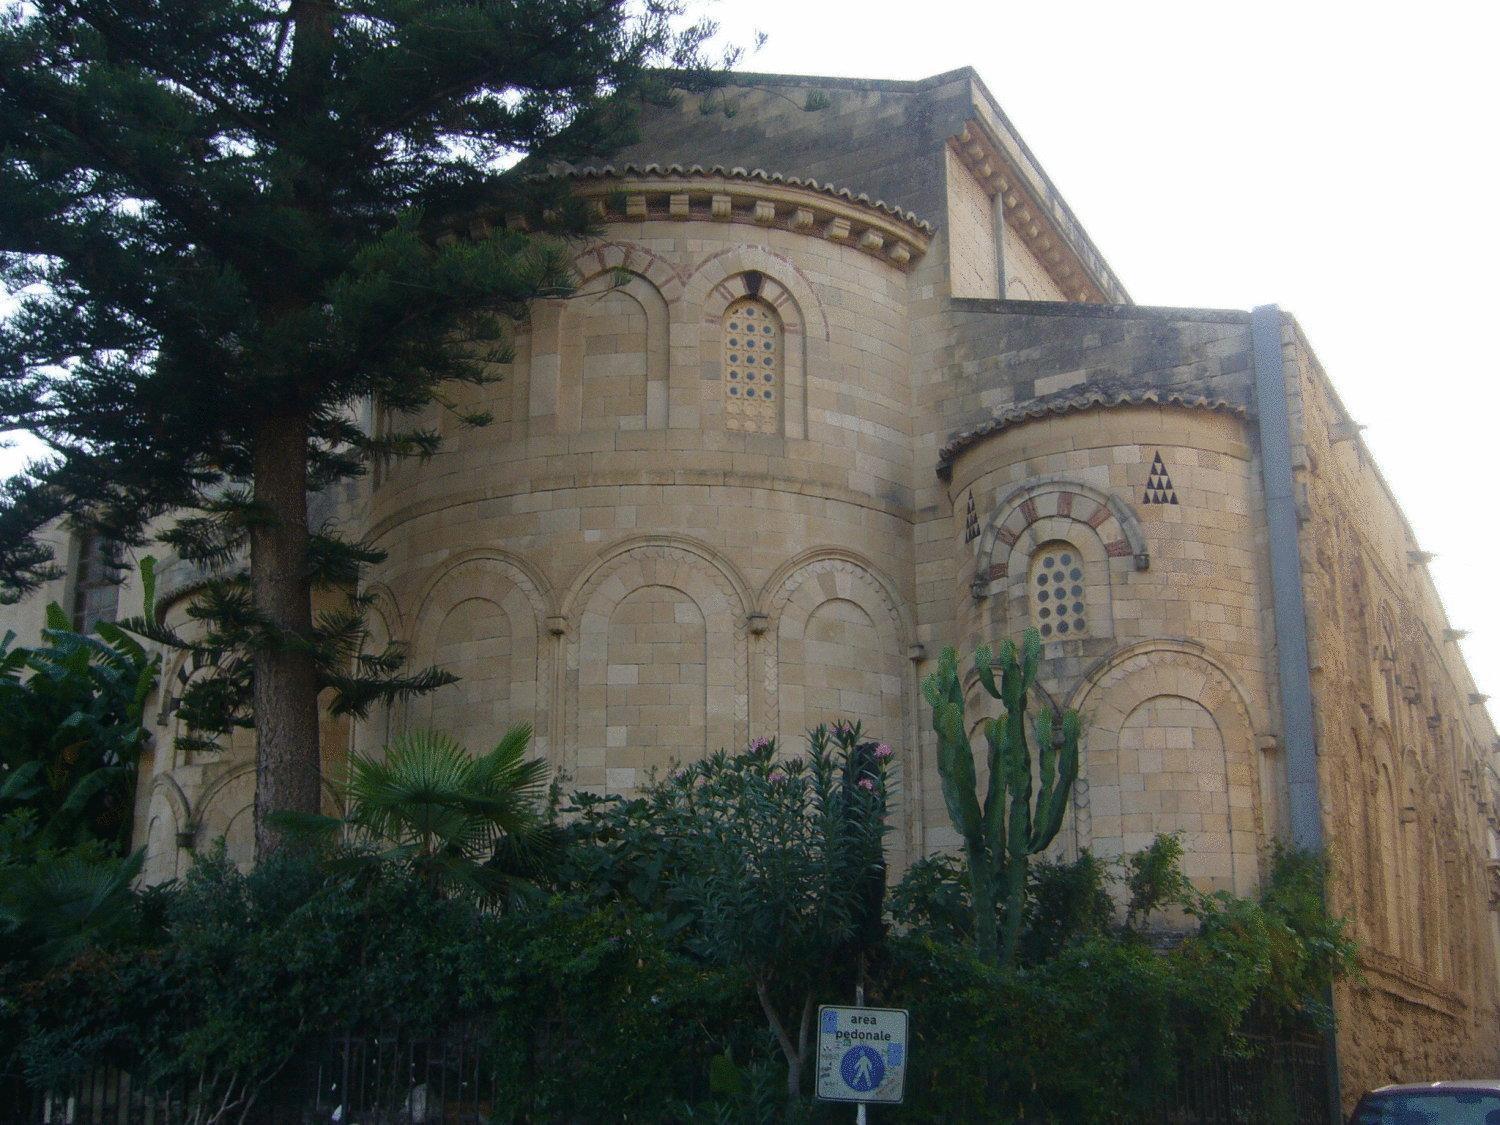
<point>752,367</point>
<point>1059,592</point>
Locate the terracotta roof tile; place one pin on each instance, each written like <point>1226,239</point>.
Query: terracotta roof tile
<point>1072,404</point>
<point>718,171</point>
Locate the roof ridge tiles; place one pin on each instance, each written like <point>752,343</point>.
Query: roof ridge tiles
<point>1074,403</point>
<point>604,171</point>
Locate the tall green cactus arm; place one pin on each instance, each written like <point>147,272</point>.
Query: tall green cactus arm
<point>956,768</point>
<point>1052,806</point>
<point>1031,655</point>
<point>984,667</point>
<point>1046,754</point>
<point>994,797</point>
<point>1001,835</point>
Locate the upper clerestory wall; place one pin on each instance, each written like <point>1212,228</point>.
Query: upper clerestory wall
<point>883,139</point>
<point>1004,360</point>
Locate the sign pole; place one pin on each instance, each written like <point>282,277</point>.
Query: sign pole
<point>862,1055</point>
<point>859,1002</point>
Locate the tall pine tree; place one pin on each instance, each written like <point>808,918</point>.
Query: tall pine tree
<point>230,224</point>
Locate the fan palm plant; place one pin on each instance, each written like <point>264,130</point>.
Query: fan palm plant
<point>448,815</point>
<point>56,906</point>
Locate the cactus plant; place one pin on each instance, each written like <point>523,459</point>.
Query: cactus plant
<point>1002,835</point>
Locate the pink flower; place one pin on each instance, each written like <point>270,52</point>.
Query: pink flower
<point>866,783</point>
<point>776,777</point>
<point>680,774</point>
<point>882,752</point>
<point>760,744</point>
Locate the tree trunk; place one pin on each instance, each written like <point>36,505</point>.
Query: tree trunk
<point>286,685</point>
<point>792,1052</point>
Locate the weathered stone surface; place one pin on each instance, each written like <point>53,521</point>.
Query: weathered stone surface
<point>648,563</point>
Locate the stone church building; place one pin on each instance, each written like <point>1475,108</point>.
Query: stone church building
<point>846,382</point>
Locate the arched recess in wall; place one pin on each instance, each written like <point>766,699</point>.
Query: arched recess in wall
<point>480,617</point>
<point>1169,745</point>
<point>1356,613</point>
<point>838,642</point>
<point>613,354</point>
<point>167,813</point>
<point>656,668</point>
<point>1385,841</point>
<point>718,282</point>
<point>1034,515</point>
<point>383,625</point>
<point>227,810</point>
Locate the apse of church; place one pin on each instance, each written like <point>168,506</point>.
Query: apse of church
<point>844,381</point>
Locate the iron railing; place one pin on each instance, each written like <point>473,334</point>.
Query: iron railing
<point>392,1079</point>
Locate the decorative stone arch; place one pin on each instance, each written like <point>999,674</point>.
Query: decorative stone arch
<point>1387,709</point>
<point>645,278</point>
<point>168,817</point>
<point>577,594</point>
<point>793,596</point>
<point>786,596</point>
<point>1113,691</point>
<point>606,257</point>
<point>718,281</point>
<point>383,625</point>
<point>1099,525</point>
<point>522,595</point>
<point>698,575</point>
<point>1011,522</point>
<point>224,805</point>
<point>1386,855</point>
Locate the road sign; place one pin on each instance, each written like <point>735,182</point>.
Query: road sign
<point>861,1054</point>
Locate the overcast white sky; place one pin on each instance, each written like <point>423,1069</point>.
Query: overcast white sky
<point>1336,159</point>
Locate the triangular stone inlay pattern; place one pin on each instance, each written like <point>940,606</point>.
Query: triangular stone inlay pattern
<point>971,522</point>
<point>1159,488</point>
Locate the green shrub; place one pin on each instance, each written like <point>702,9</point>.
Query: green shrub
<point>72,712</point>
<point>765,865</point>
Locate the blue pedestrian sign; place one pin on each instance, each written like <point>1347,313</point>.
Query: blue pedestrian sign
<point>861,1054</point>
<point>862,1069</point>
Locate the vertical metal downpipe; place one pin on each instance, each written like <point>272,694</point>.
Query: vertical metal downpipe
<point>1289,609</point>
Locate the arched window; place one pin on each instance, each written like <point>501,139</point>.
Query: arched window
<point>1059,592</point>
<point>752,367</point>
<point>96,583</point>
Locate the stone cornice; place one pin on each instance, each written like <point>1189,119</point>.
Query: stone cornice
<point>675,193</point>
<point>1080,274</point>
<point>1055,405</point>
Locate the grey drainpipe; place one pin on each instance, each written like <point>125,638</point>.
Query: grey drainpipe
<point>1288,608</point>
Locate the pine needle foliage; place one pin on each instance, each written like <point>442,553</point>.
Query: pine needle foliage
<point>232,226</point>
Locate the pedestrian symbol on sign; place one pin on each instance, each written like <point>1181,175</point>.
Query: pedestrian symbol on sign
<point>862,1069</point>
<point>861,1054</point>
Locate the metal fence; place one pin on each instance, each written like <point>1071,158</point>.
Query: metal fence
<point>366,1079</point>
<point>1272,1082</point>
<point>394,1080</point>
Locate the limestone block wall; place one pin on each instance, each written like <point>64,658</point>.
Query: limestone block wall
<point>1404,744</point>
<point>1132,538</point>
<point>617,561</point>
<point>973,254</point>
<point>1026,279</point>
